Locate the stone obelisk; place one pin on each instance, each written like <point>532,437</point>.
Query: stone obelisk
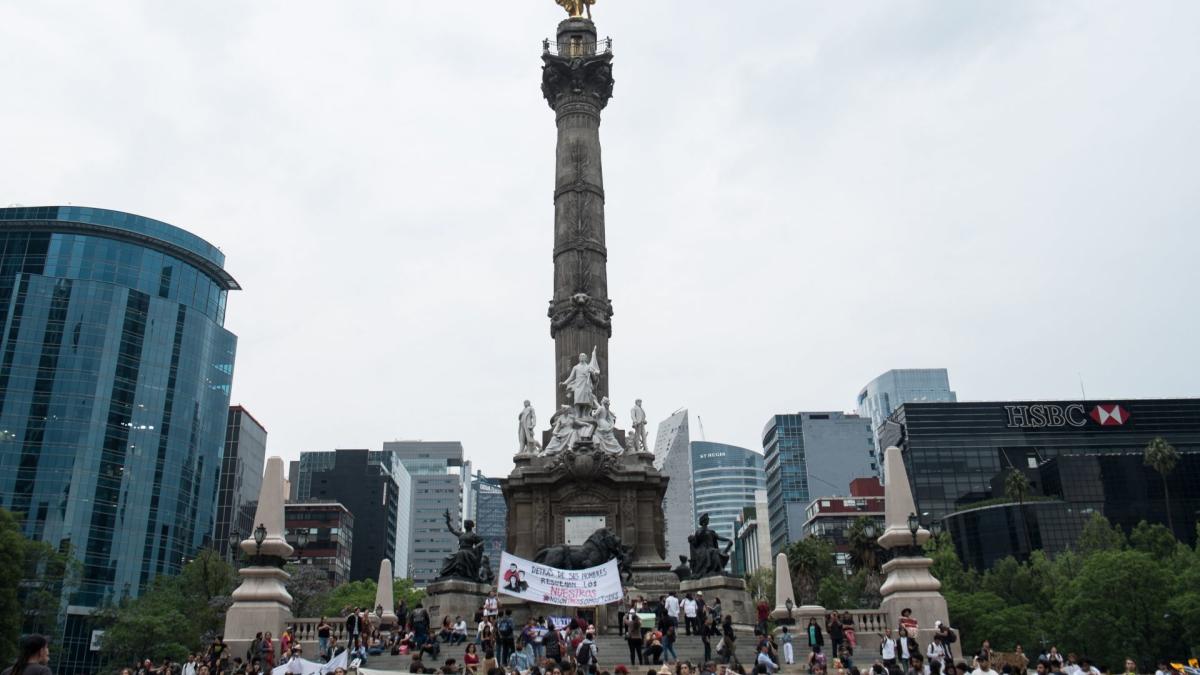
<point>577,82</point>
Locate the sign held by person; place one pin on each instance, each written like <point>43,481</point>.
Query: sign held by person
<point>589,587</point>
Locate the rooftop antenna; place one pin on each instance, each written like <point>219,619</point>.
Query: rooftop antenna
<point>700,423</point>
<point>1081,389</point>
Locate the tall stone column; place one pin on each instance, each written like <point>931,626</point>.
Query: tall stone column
<point>577,83</point>
<point>262,602</point>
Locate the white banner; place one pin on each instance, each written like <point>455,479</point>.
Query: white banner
<point>593,586</point>
<point>299,666</point>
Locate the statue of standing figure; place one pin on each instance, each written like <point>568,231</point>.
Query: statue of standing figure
<point>606,423</point>
<point>581,383</point>
<point>527,431</point>
<point>637,417</point>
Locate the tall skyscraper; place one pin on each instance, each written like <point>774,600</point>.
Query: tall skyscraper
<point>884,394</point>
<point>241,478</point>
<point>724,480</point>
<point>489,511</point>
<point>115,370</point>
<point>809,455</point>
<point>673,457</point>
<point>364,481</point>
<point>436,472</point>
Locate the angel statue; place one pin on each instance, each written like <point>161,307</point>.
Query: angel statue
<point>581,383</point>
<point>577,8</point>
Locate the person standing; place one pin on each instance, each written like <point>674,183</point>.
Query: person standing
<point>689,615</point>
<point>633,636</point>
<point>668,643</point>
<point>672,606</point>
<point>762,612</point>
<point>815,637</point>
<point>33,653</point>
<point>887,649</point>
<point>420,622</point>
<point>834,625</point>
<point>728,637</point>
<point>189,667</point>
<point>707,631</point>
<point>353,626</point>
<point>324,631</point>
<point>764,662</point>
<point>789,656</point>
<point>983,664</point>
<point>507,631</point>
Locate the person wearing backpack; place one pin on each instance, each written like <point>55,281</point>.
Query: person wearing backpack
<point>506,629</point>
<point>586,655</point>
<point>633,635</point>
<point>552,646</point>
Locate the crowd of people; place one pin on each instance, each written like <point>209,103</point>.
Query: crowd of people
<point>501,645</point>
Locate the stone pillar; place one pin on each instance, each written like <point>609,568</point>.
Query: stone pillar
<point>262,603</point>
<point>384,614</point>
<point>577,83</point>
<point>798,615</point>
<point>908,583</point>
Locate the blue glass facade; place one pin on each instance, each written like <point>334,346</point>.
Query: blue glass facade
<point>724,478</point>
<point>115,372</point>
<point>809,455</point>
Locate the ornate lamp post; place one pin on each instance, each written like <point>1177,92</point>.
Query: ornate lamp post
<point>914,524</point>
<point>260,534</point>
<point>235,538</point>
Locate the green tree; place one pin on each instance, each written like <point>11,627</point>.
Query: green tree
<point>1098,535</point>
<point>350,595</point>
<point>12,566</point>
<point>47,572</point>
<point>947,567</point>
<point>170,618</point>
<point>406,590</point>
<point>761,584</point>
<point>810,560</point>
<point>1154,539</point>
<point>1016,488</point>
<point>1114,607</point>
<point>1162,457</point>
<point>309,587</point>
<point>865,553</point>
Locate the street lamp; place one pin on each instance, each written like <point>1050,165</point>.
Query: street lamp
<point>914,524</point>
<point>869,530</point>
<point>260,534</point>
<point>935,528</point>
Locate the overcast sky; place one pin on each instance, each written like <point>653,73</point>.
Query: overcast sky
<point>801,195</point>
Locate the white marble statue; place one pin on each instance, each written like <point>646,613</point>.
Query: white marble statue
<point>637,418</point>
<point>582,381</point>
<point>606,422</point>
<point>563,431</point>
<point>527,430</point>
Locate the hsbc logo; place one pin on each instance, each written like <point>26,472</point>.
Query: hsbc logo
<point>1051,416</point>
<point>1110,415</point>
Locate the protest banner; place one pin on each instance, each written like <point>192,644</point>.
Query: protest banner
<point>532,581</point>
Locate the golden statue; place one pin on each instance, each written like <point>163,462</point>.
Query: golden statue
<point>577,8</point>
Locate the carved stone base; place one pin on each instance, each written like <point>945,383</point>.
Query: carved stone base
<point>735,600</point>
<point>454,598</point>
<point>910,585</point>
<point>624,488</point>
<point>260,603</point>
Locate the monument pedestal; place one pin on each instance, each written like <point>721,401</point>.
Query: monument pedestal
<point>909,585</point>
<point>735,600</point>
<point>453,598</point>
<point>622,492</point>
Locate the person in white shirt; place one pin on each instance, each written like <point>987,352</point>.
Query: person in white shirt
<point>189,668</point>
<point>936,651</point>
<point>459,631</point>
<point>672,605</point>
<point>887,648</point>
<point>764,659</point>
<point>689,615</point>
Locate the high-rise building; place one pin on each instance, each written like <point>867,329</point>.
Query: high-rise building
<point>1080,457</point>
<point>752,551</point>
<point>241,478</point>
<point>322,535</point>
<point>435,470</point>
<point>115,370</point>
<point>724,480</point>
<point>364,481</point>
<point>673,457</point>
<point>809,455</point>
<point>489,513</point>
<point>884,394</point>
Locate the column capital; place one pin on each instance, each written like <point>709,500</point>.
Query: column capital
<point>578,79</point>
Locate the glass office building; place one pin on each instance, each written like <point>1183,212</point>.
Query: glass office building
<point>241,480</point>
<point>490,513</point>
<point>882,395</point>
<point>115,371</point>
<point>809,455</point>
<point>724,480</point>
<point>439,481</point>
<point>1085,456</point>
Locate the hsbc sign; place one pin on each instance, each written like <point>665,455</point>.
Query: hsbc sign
<point>1051,415</point>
